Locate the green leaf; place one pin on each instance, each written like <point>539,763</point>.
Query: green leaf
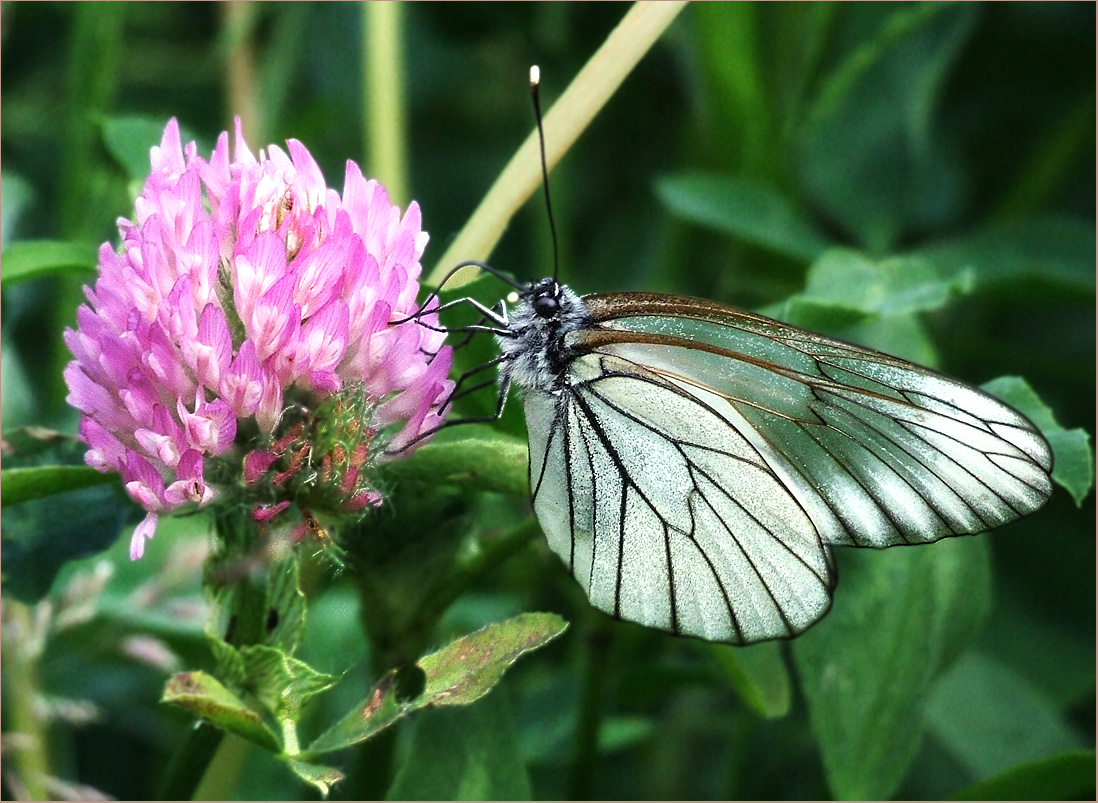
<point>204,697</point>
<point>893,286</point>
<point>40,536</point>
<point>904,336</point>
<point>733,56</point>
<point>465,753</point>
<point>458,674</point>
<point>621,733</point>
<point>495,463</point>
<point>129,140</point>
<point>1048,254</point>
<point>379,710</point>
<point>18,195</point>
<point>760,675</point>
<point>869,154</point>
<point>1068,776</point>
<point>409,682</point>
<point>1049,169</point>
<point>874,302</point>
<point>323,778</point>
<point>35,259</point>
<point>817,315</point>
<point>976,709</point>
<point>286,607</point>
<point>1073,459</point>
<point>799,40</point>
<point>24,484</point>
<point>748,210</point>
<point>305,683</point>
<point>900,617</point>
<point>281,683</point>
<point>467,669</point>
<point>1048,653</point>
<point>266,675</point>
<point>229,663</point>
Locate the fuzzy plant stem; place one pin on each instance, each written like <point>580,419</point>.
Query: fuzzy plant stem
<point>195,761</point>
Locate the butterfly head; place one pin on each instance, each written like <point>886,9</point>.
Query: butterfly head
<point>535,347</point>
<point>550,307</point>
<point>545,298</point>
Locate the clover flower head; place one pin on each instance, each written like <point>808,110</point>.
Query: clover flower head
<point>244,287</point>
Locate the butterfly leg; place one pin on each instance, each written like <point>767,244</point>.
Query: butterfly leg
<point>500,402</point>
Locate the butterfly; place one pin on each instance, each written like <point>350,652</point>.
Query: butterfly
<point>693,464</point>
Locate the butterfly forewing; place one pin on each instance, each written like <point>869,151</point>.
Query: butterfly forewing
<point>878,451</point>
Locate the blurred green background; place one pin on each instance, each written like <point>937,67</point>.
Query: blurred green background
<point>949,148</point>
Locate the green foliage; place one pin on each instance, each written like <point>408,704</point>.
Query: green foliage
<point>38,534</point>
<point>1074,459</point>
<point>459,674</point>
<point>1045,255</point>
<point>468,753</point>
<point>869,154</point>
<point>206,698</point>
<point>477,463</point>
<point>994,698</point>
<point>127,139</point>
<point>889,287</point>
<point>899,619</point>
<point>261,688</point>
<point>748,210</point>
<point>760,676</point>
<point>36,259</point>
<point>1068,776</point>
<point>918,178</point>
<point>26,484</point>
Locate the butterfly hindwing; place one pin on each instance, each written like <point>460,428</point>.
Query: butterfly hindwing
<point>665,514</point>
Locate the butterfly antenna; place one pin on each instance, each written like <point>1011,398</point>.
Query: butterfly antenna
<point>535,80</point>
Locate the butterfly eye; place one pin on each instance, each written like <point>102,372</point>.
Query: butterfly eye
<point>545,306</point>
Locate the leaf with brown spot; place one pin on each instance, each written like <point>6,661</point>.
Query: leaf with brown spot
<point>458,674</point>
<point>468,668</point>
<point>204,697</point>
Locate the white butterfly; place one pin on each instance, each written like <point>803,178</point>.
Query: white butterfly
<point>692,464</point>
